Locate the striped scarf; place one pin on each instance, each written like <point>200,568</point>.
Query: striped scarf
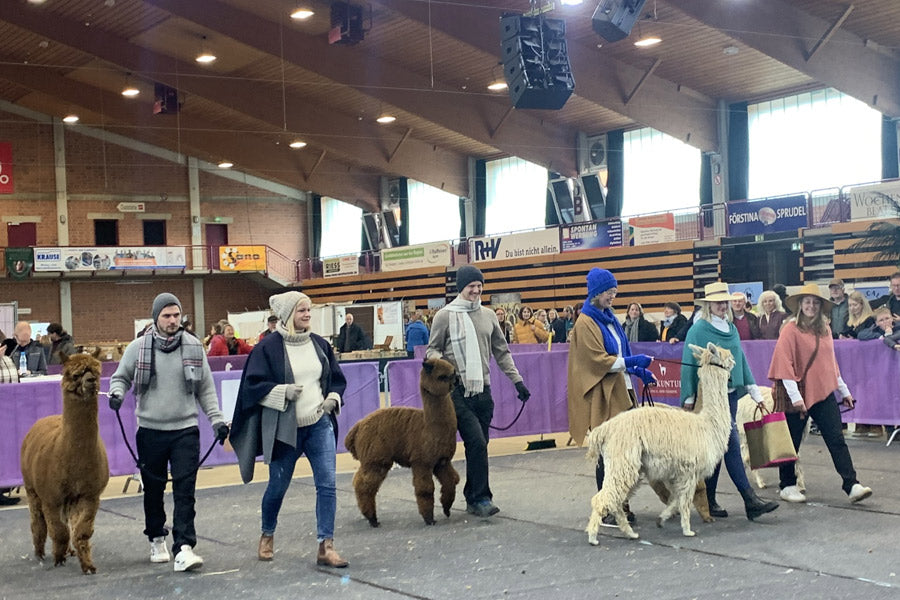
<point>464,341</point>
<point>191,358</point>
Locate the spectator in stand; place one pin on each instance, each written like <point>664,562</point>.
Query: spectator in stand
<point>228,345</point>
<point>569,316</point>
<point>188,325</point>
<point>528,329</point>
<point>892,300</point>
<point>505,326</point>
<point>884,326</point>
<point>771,315</point>
<point>351,336</point>
<point>637,328</point>
<point>215,329</point>
<point>61,341</point>
<point>673,328</point>
<point>840,310</point>
<point>36,362</point>
<point>557,326</point>
<point>746,322</point>
<point>271,323</point>
<point>779,289</point>
<point>859,316</point>
<point>541,315</point>
<point>416,332</point>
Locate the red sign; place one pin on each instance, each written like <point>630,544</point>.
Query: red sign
<point>6,174</point>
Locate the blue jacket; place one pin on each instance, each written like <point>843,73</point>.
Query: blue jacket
<point>416,335</point>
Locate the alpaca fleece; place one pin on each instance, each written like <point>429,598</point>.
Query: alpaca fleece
<point>746,412</point>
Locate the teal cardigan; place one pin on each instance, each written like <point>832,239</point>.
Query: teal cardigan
<point>701,333</point>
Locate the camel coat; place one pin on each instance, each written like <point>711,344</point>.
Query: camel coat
<point>595,394</point>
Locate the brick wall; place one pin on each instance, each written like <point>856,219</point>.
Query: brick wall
<point>41,296</point>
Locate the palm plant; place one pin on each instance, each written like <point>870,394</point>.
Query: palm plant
<point>882,237</point>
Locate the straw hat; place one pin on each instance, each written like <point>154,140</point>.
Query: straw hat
<point>810,289</point>
<point>716,292</point>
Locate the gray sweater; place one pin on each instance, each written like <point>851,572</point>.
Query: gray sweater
<point>168,404</point>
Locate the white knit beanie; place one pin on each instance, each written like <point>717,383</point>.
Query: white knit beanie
<point>283,304</point>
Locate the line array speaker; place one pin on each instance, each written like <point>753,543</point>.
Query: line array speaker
<point>536,61</point>
<point>614,19</point>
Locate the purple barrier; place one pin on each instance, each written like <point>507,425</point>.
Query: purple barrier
<point>24,403</point>
<point>220,363</point>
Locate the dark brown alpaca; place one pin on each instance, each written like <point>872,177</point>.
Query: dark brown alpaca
<point>64,466</point>
<point>424,440</point>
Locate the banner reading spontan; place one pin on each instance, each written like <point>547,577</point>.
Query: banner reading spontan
<point>768,215</point>
<point>340,266</point>
<point>6,172</point>
<point>873,201</point>
<point>19,262</point>
<point>414,257</point>
<point>585,236</point>
<point>515,245</point>
<point>108,258</point>
<point>242,258</point>
<point>652,229</point>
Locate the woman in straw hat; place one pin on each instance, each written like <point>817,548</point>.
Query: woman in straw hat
<point>804,354</point>
<point>715,326</point>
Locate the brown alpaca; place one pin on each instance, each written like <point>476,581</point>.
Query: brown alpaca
<point>424,440</point>
<point>64,466</point>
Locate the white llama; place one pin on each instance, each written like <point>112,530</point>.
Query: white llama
<point>675,447</point>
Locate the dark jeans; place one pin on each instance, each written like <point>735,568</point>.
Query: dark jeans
<point>734,464</point>
<point>827,416</point>
<point>473,418</point>
<point>157,450</point>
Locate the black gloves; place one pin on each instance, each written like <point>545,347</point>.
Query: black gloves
<point>221,430</point>
<point>638,360</point>
<point>524,394</point>
<point>646,376</point>
<point>115,401</point>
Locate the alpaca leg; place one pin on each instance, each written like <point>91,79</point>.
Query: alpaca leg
<point>621,479</point>
<point>662,492</point>
<point>801,482</point>
<point>701,502</point>
<point>593,527</point>
<point>423,483</point>
<point>81,516</point>
<point>59,533</point>
<point>682,494</point>
<point>38,523</point>
<point>448,478</point>
<point>366,482</point>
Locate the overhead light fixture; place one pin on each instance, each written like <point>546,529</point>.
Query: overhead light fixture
<point>296,144</point>
<point>730,50</point>
<point>205,57</point>
<point>649,40</point>
<point>302,12</point>
<point>226,164</point>
<point>70,118</point>
<point>571,2</point>
<point>385,119</point>
<point>130,90</point>
<point>36,2</point>
<point>498,86</point>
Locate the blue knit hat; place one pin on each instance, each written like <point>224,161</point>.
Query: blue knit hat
<point>598,281</point>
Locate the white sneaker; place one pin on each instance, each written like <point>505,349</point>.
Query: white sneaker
<point>793,494</point>
<point>859,492</point>
<point>158,551</point>
<point>186,560</point>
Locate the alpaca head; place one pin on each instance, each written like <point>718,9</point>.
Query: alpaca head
<point>438,377</point>
<point>713,355</point>
<point>81,375</point>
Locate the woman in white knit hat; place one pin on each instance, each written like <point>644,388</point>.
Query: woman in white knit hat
<point>287,406</point>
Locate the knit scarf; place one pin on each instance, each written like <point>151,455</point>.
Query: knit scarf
<point>464,341</point>
<point>603,318</point>
<point>632,329</point>
<point>191,357</point>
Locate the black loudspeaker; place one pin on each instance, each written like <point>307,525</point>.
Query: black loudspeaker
<point>536,61</point>
<point>346,24</point>
<point>614,19</point>
<point>165,100</point>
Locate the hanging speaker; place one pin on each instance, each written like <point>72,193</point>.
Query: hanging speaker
<point>536,61</point>
<point>614,19</point>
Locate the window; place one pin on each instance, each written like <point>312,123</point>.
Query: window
<point>812,141</point>
<point>661,173</point>
<point>516,195</point>
<point>433,214</point>
<point>341,228</point>
<point>106,232</point>
<point>154,233</point>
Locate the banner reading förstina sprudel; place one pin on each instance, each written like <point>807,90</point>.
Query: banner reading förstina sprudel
<point>769,215</point>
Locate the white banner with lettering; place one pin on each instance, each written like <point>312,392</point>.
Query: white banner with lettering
<point>415,257</point>
<point>872,201</point>
<point>515,245</point>
<point>106,258</point>
<point>339,266</point>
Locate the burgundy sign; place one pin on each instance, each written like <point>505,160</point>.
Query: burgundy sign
<point>6,175</point>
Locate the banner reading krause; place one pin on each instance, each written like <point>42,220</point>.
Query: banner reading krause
<point>242,258</point>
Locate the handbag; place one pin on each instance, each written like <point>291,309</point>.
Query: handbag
<point>769,440</point>
<point>779,392</point>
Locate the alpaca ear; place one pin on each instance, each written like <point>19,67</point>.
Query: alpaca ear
<point>427,366</point>
<point>713,349</point>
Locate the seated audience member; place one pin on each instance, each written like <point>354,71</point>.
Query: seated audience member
<point>36,362</point>
<point>883,328</point>
<point>61,341</point>
<point>228,345</point>
<point>771,315</point>
<point>505,325</point>
<point>891,300</point>
<point>557,326</point>
<point>859,316</point>
<point>746,322</point>
<point>351,337</point>
<point>674,325</point>
<point>416,332</point>
<point>215,329</point>
<point>637,328</point>
<point>781,290</point>
<point>271,322</point>
<point>541,315</point>
<point>528,329</point>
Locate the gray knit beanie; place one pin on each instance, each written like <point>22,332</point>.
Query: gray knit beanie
<point>466,274</point>
<point>160,302</point>
<point>283,304</point>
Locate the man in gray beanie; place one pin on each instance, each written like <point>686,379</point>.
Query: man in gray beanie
<point>467,334</point>
<point>171,376</point>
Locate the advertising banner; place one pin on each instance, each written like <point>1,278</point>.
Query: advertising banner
<point>652,229</point>
<point>6,172</point>
<point>19,262</point>
<point>515,245</point>
<point>586,236</point>
<point>752,289</point>
<point>769,215</point>
<point>242,258</point>
<point>414,257</point>
<point>873,201</point>
<point>109,258</point>
<point>340,266</point>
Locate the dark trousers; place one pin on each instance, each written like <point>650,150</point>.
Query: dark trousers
<point>734,464</point>
<point>157,450</point>
<point>827,416</point>
<point>473,419</point>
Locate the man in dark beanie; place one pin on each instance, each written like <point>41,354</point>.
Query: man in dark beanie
<point>467,334</point>
<point>171,377</point>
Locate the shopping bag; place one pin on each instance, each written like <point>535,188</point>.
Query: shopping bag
<point>769,440</point>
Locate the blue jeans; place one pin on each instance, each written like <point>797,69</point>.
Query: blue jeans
<point>317,442</point>
<point>734,464</point>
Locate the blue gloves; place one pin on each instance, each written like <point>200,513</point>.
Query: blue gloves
<point>638,360</point>
<point>645,375</point>
<point>221,430</point>
<point>115,401</point>
<point>524,394</point>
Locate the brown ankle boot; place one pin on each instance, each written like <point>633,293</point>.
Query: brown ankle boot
<point>328,556</point>
<point>266,547</point>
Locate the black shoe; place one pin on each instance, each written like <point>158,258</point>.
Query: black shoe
<point>756,506</point>
<point>628,514</point>
<point>482,508</point>
<point>717,511</point>
<point>9,500</point>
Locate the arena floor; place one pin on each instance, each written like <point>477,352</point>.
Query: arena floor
<point>535,548</point>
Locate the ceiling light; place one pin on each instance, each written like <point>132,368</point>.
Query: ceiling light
<point>70,118</point>
<point>650,40</point>
<point>730,50</point>
<point>205,57</point>
<point>130,90</point>
<point>36,1</point>
<point>497,86</point>
<point>385,119</point>
<point>226,164</point>
<point>302,12</point>
<point>571,2</point>
<point>297,144</point>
